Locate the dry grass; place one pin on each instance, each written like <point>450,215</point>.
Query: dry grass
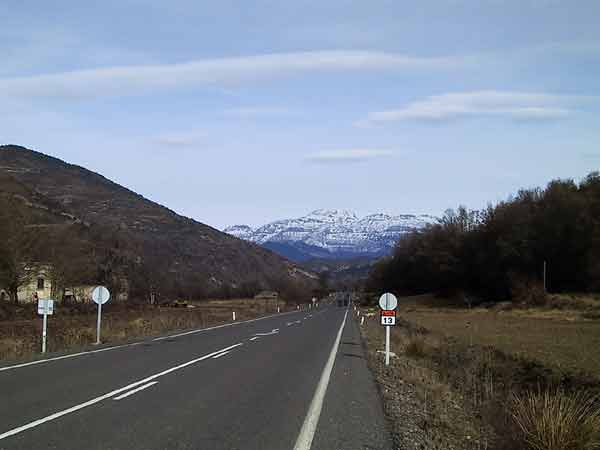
<point>566,340</point>
<point>68,330</point>
<point>425,409</point>
<point>415,347</point>
<point>552,419</point>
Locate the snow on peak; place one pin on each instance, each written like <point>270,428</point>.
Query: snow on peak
<point>336,231</point>
<point>241,231</point>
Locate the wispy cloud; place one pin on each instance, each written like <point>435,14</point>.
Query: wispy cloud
<point>178,139</point>
<point>128,80</point>
<point>347,155</point>
<point>450,106</point>
<point>256,111</point>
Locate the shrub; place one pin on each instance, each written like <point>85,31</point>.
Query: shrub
<point>528,291</point>
<point>553,419</point>
<point>416,347</point>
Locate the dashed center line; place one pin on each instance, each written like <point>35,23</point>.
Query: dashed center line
<point>273,331</point>
<point>111,394</point>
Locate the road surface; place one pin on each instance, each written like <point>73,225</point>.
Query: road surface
<point>293,381</point>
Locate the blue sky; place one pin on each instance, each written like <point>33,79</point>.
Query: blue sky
<point>246,112</point>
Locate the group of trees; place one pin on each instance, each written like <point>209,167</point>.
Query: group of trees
<point>30,243</point>
<point>18,245</point>
<point>496,253</point>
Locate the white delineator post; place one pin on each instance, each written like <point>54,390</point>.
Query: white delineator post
<point>45,308</point>
<point>44,329</point>
<point>388,303</point>
<point>387,345</point>
<point>100,295</point>
<point>234,316</point>
<point>99,323</point>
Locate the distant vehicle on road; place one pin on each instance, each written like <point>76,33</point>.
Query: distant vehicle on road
<point>342,298</point>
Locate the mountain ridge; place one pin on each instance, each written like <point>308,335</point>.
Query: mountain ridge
<point>195,253</point>
<point>333,233</point>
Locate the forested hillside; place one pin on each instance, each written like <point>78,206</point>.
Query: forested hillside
<point>499,253</point>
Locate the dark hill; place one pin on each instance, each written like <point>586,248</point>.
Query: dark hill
<point>193,253</point>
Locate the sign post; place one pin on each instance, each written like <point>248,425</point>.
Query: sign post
<point>45,309</point>
<point>100,295</point>
<point>388,304</point>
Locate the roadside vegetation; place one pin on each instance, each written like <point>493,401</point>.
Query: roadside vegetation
<point>504,354</point>
<point>500,378</point>
<point>74,327</point>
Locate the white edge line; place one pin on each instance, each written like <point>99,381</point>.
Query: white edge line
<point>309,427</point>
<point>93,401</point>
<point>141,388</point>
<point>72,355</point>
<point>254,338</point>
<point>89,352</point>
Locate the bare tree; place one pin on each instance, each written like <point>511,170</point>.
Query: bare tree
<point>70,261</point>
<point>18,246</point>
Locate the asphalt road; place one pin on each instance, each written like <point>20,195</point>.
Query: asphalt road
<point>293,381</point>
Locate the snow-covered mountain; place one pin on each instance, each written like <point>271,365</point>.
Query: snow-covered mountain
<point>332,234</point>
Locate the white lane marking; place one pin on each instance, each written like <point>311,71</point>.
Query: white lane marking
<point>254,338</point>
<point>309,427</point>
<point>93,401</point>
<point>220,354</point>
<point>220,326</point>
<point>273,331</point>
<point>73,355</point>
<point>141,388</point>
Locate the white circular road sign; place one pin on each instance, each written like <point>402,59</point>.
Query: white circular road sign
<point>388,301</point>
<point>100,295</point>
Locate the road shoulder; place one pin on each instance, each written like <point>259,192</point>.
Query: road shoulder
<point>352,416</point>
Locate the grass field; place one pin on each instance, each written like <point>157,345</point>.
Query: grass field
<point>564,340</point>
<point>71,329</point>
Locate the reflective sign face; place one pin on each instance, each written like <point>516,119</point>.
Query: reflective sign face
<point>100,295</point>
<point>388,318</point>
<point>388,301</point>
<point>46,306</point>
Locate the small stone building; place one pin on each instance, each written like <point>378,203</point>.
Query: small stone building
<point>267,295</point>
<point>39,286</point>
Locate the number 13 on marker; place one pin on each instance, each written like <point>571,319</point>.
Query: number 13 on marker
<point>388,317</point>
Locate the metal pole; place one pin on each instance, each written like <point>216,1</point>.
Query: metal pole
<point>99,321</point>
<point>387,345</point>
<point>45,326</point>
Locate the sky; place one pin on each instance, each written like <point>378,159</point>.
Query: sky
<point>238,112</point>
